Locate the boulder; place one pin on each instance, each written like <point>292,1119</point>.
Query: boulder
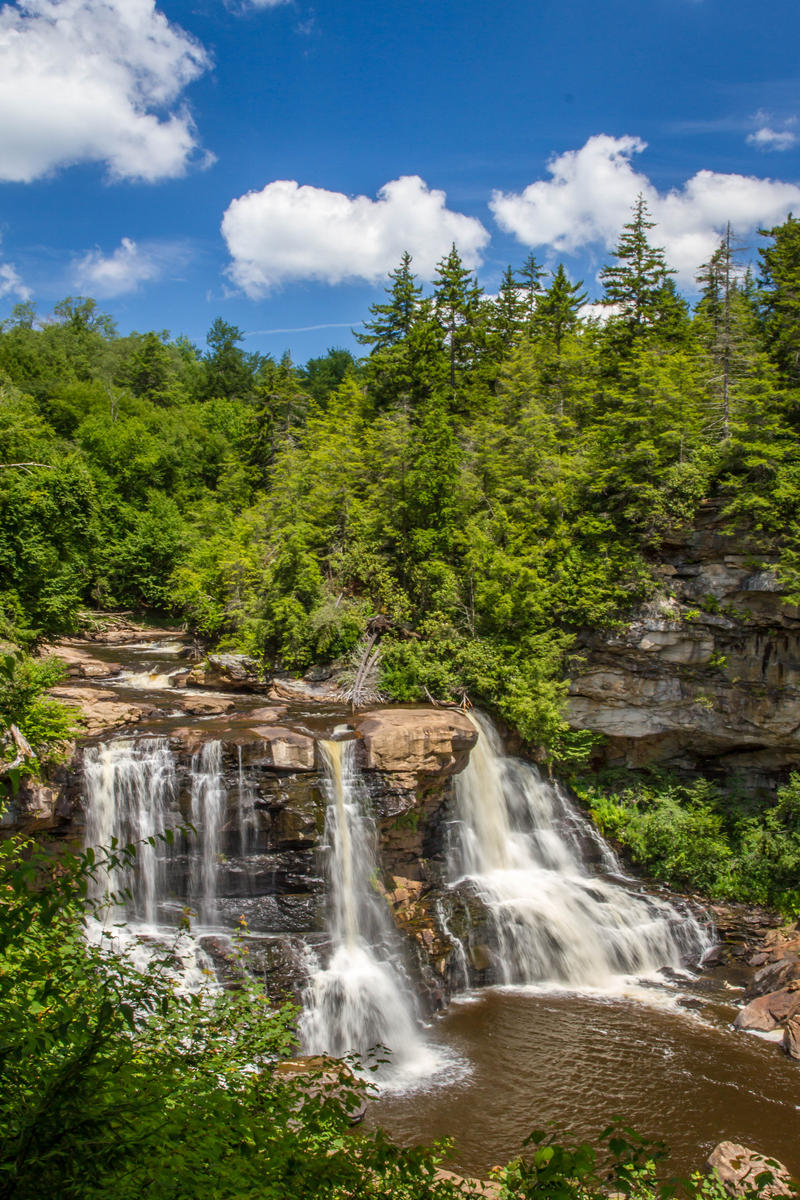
<point>739,1168</point>
<point>408,743</point>
<point>791,1036</point>
<point>285,749</point>
<point>227,672</point>
<point>769,1012</point>
<point>304,690</point>
<point>203,706</point>
<point>774,976</point>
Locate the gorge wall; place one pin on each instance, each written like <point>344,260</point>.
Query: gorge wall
<point>706,676</point>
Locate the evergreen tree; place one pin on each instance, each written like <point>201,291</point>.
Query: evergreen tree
<point>634,283</point>
<point>720,321</point>
<point>531,275</point>
<point>780,297</point>
<point>228,370</point>
<point>508,317</point>
<point>558,308</point>
<point>392,322</point>
<point>456,299</point>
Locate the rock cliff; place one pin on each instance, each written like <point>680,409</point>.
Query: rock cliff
<point>706,676</point>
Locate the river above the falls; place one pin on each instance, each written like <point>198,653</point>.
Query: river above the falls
<point>660,1055</point>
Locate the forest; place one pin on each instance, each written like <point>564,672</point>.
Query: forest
<point>493,474</point>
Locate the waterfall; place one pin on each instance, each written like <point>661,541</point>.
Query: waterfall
<point>518,842</point>
<point>130,790</point>
<point>207,816</point>
<point>131,797</point>
<point>360,999</point>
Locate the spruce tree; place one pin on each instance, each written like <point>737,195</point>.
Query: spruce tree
<point>392,322</point>
<point>780,297</point>
<point>634,283</point>
<point>720,320</point>
<point>558,308</point>
<point>510,310</point>
<point>456,299</point>
<point>530,276</point>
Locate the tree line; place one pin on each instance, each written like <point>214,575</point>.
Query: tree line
<point>495,473</point>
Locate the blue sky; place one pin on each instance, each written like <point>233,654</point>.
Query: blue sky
<point>267,163</point>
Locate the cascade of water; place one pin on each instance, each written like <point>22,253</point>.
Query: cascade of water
<point>517,839</point>
<point>360,999</point>
<point>131,796</point>
<point>130,788</point>
<point>207,816</point>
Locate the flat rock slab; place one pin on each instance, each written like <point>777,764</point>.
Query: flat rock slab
<point>79,660</point>
<point>102,711</point>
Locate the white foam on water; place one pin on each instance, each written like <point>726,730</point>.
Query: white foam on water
<point>518,841</point>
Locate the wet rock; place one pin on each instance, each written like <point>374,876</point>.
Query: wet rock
<point>791,1036</point>
<point>769,1012</point>
<point>408,743</point>
<point>228,672</point>
<point>739,1168</point>
<point>203,706</point>
<point>773,977</point>
<point>284,749</point>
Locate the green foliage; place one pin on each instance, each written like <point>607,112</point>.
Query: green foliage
<point>695,835</point>
<point>114,1084</point>
<point>45,722</point>
<point>497,475</point>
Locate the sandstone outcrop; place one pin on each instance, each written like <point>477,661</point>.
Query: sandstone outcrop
<point>409,743</point>
<point>101,710</point>
<point>709,669</point>
<point>739,1169</point>
<point>769,1012</point>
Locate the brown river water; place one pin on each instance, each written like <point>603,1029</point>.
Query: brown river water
<point>570,1063</point>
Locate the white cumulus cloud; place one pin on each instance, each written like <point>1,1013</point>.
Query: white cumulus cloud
<point>288,231</point>
<point>114,274</point>
<point>589,195</point>
<point>95,81</point>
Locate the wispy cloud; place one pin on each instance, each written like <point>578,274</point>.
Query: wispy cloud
<point>305,328</point>
<point>767,137</point>
<point>11,283</point>
<point>127,268</point>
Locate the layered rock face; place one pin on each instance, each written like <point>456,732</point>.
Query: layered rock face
<point>707,675</point>
<point>244,765</point>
